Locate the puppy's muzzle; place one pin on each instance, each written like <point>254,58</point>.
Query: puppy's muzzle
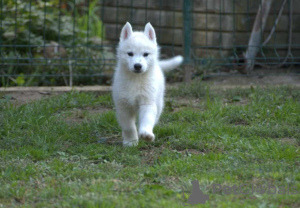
<point>137,68</point>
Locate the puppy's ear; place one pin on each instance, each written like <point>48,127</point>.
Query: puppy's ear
<point>126,31</point>
<point>150,32</point>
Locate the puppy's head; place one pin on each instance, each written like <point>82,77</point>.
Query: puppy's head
<point>137,51</point>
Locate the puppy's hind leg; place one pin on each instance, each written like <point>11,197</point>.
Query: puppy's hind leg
<point>147,119</point>
<point>126,120</point>
<point>160,106</point>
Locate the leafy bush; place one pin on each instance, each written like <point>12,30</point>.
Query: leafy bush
<point>43,38</point>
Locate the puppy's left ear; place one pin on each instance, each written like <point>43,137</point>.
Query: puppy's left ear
<point>150,32</point>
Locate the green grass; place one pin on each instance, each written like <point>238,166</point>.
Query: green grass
<point>65,151</point>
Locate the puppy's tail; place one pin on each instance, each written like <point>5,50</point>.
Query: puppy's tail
<point>169,64</point>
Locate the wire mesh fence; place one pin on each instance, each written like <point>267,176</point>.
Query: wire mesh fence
<point>72,42</point>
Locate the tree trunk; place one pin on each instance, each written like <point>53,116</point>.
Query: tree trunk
<point>256,35</point>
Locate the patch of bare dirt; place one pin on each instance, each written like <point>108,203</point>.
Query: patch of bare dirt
<point>191,102</point>
<point>182,103</point>
<point>150,154</point>
<point>260,80</point>
<point>112,140</point>
<point>78,115</point>
<point>23,95</point>
<point>240,102</point>
<point>289,141</point>
<point>241,123</point>
<point>20,98</point>
<point>191,152</point>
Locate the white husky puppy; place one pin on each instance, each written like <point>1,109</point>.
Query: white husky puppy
<point>139,84</point>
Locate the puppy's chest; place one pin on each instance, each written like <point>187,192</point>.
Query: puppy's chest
<point>139,94</point>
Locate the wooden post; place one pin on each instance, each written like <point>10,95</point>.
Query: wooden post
<point>187,29</point>
<point>188,70</point>
<point>256,35</point>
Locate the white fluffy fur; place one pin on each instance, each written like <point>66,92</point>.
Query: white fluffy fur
<point>139,91</point>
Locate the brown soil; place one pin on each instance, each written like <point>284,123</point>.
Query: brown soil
<point>254,81</point>
<point>19,95</point>
<point>20,98</point>
<point>76,116</point>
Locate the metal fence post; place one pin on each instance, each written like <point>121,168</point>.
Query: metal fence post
<point>187,21</point>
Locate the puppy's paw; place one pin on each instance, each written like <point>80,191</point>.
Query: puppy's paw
<point>130,143</point>
<point>147,136</point>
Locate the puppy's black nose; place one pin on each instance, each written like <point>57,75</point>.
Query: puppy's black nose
<point>137,67</point>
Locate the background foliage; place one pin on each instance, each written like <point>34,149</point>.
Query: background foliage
<point>44,32</point>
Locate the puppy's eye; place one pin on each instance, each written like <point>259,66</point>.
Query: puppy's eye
<point>146,54</point>
<point>130,54</point>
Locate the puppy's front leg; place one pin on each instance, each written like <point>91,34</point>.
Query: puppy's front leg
<point>147,118</point>
<point>126,120</point>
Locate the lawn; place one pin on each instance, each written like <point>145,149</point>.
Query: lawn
<point>65,150</point>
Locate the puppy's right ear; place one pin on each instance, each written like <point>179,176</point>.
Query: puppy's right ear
<point>126,31</point>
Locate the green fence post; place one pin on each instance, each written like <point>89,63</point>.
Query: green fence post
<point>187,9</point>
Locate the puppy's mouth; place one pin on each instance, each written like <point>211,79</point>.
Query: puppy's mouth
<point>137,71</point>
